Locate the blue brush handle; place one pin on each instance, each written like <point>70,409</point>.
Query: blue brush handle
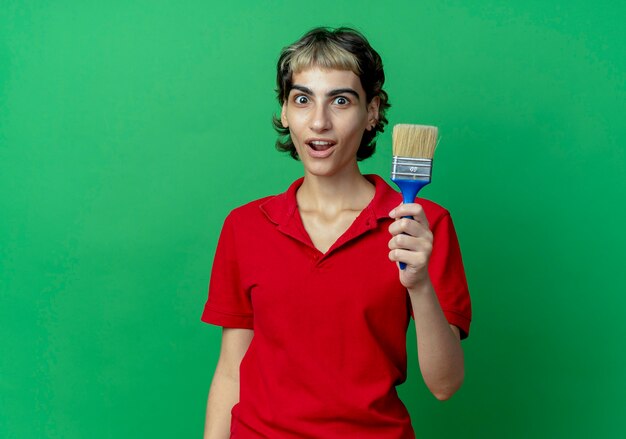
<point>409,189</point>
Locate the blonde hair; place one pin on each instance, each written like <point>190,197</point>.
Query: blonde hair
<point>327,54</point>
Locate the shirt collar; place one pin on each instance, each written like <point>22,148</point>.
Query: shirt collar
<point>281,208</point>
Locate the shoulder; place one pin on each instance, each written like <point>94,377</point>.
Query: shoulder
<point>249,212</point>
<point>434,212</point>
<point>251,207</point>
<point>274,209</point>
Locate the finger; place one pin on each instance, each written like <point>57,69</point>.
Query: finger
<point>415,260</point>
<point>414,210</point>
<point>404,225</point>
<point>410,227</point>
<point>410,243</point>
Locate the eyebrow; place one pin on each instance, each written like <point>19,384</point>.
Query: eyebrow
<point>330,94</point>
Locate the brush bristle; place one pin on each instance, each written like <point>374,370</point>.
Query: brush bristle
<point>417,141</point>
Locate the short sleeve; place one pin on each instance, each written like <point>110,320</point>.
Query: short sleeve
<point>448,275</point>
<point>228,303</point>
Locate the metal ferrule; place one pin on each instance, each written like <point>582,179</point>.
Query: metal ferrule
<point>411,168</point>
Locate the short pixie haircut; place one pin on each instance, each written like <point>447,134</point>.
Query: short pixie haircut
<point>341,49</point>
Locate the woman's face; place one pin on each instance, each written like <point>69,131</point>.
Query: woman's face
<point>326,113</point>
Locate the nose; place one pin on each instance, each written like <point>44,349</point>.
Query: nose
<point>320,119</point>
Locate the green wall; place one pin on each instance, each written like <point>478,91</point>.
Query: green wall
<point>129,129</point>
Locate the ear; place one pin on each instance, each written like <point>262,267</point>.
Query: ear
<point>372,113</point>
<point>283,115</point>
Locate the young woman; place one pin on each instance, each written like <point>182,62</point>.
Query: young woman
<point>306,283</point>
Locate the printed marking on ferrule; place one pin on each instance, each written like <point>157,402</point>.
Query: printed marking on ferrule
<point>414,168</point>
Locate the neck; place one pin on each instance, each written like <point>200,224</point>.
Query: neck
<point>347,190</point>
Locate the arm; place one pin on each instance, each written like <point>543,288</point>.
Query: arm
<point>439,349</point>
<point>224,392</point>
<point>440,354</point>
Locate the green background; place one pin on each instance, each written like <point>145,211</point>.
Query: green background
<point>129,129</point>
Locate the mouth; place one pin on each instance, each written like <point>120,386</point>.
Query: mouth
<point>320,147</point>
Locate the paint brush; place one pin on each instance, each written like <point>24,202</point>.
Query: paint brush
<point>413,150</point>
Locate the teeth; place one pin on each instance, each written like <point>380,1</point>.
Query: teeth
<point>320,143</point>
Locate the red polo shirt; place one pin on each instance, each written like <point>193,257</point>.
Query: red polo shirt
<point>329,341</point>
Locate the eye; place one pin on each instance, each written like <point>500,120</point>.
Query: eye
<point>341,100</point>
<point>301,99</point>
